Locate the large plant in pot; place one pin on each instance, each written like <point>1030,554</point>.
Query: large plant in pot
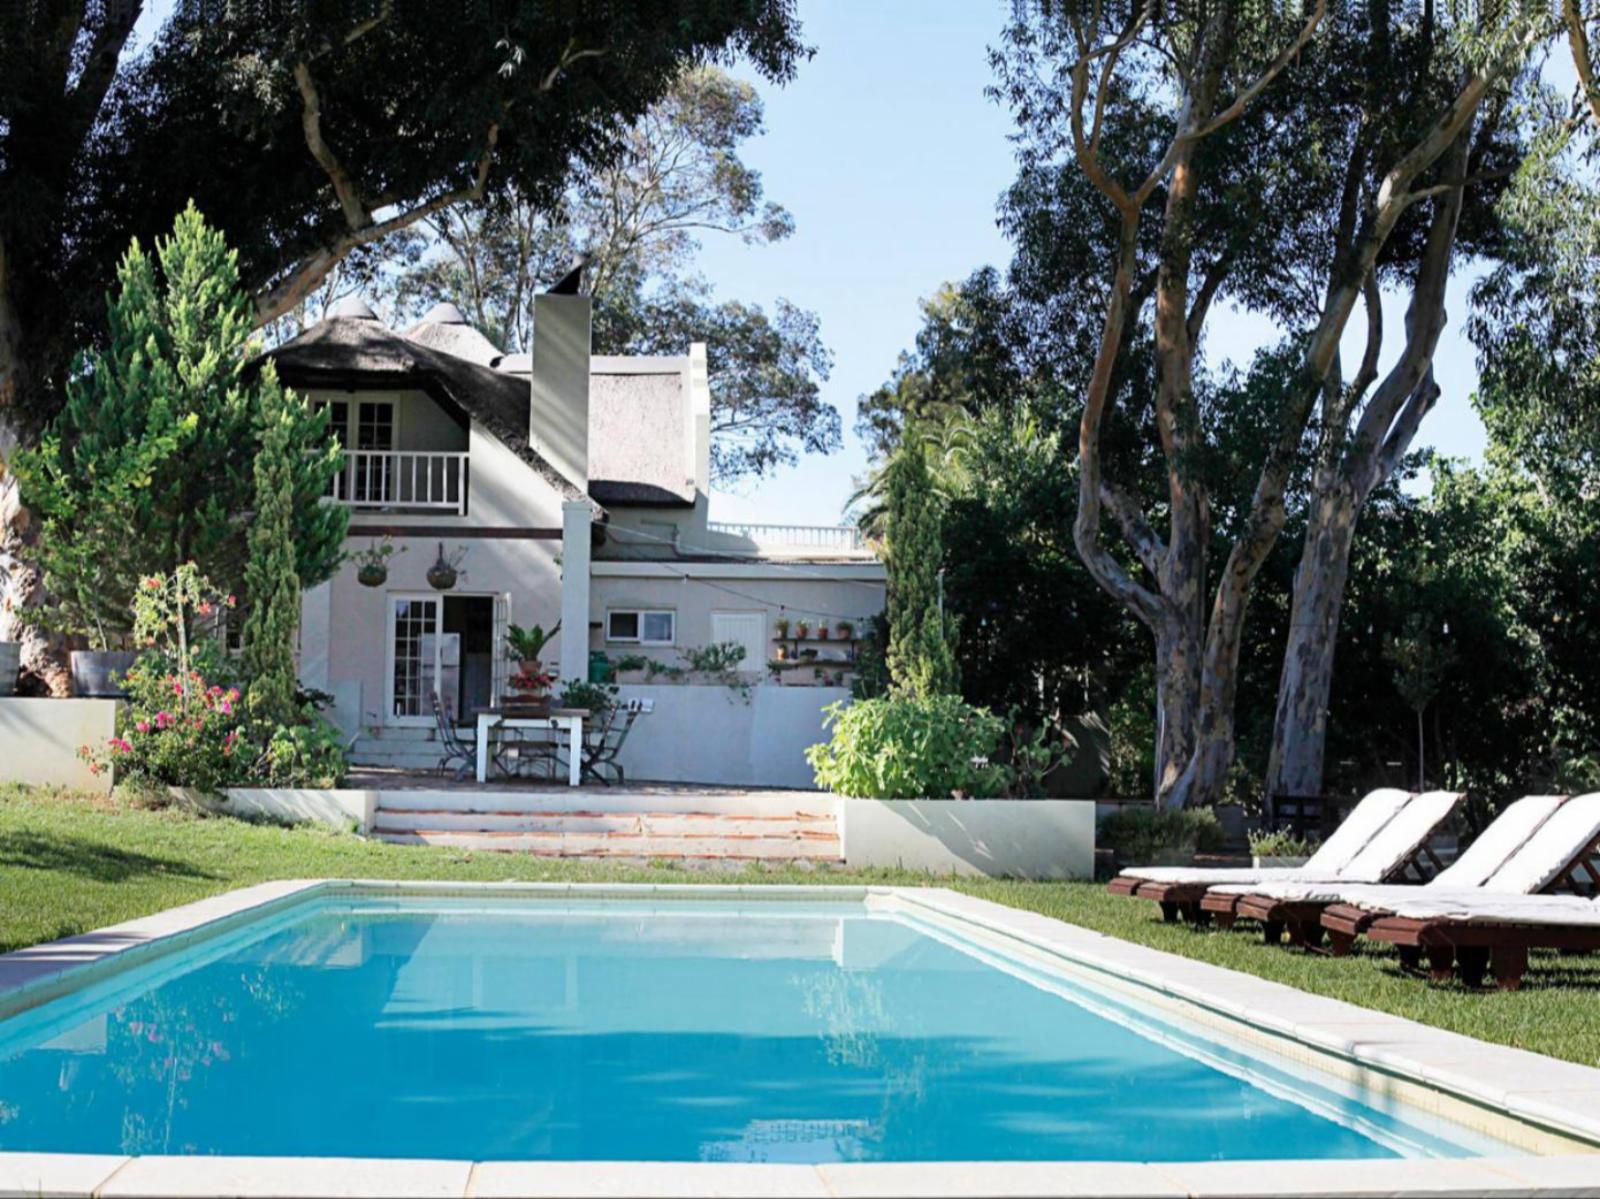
<point>529,685</point>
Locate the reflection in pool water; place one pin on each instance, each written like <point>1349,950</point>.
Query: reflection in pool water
<point>774,1031</point>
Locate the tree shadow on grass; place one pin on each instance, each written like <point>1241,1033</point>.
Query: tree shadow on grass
<point>89,859</point>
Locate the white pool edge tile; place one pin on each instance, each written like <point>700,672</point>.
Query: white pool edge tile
<point>1547,1093</point>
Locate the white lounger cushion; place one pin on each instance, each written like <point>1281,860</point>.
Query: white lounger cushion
<point>1547,852</point>
<point>1498,843</point>
<point>1349,839</point>
<point>1494,846</point>
<point>1370,816</point>
<point>1504,909</point>
<point>1389,850</point>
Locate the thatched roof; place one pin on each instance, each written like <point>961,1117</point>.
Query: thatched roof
<point>356,352</point>
<point>444,327</point>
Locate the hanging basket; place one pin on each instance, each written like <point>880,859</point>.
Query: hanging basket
<point>442,575</point>
<point>372,576</point>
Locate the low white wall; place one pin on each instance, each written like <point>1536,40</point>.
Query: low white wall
<point>999,838</point>
<point>295,806</point>
<point>39,740</point>
<point>709,734</point>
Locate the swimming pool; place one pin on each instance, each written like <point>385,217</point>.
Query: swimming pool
<point>771,1028</point>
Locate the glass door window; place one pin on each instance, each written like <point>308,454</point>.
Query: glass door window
<point>415,652</point>
<point>374,432</point>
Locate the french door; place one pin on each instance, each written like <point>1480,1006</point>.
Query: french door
<point>423,658</point>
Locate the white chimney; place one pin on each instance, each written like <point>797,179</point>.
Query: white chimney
<point>558,418</point>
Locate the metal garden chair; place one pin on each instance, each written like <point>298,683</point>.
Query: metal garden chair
<point>605,740</point>
<point>455,749</point>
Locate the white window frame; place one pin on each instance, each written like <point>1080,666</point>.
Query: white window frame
<point>641,613</point>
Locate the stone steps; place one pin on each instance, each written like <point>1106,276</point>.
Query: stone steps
<point>672,824</point>
<point>508,822</point>
<point>821,847</point>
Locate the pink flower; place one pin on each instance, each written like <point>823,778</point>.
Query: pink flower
<point>118,745</point>
<point>143,726</point>
<point>204,608</point>
<point>227,708</point>
<point>163,719</point>
<point>232,601</point>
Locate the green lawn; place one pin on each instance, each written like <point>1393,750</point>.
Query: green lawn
<point>69,864</point>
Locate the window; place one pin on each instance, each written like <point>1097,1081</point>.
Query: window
<point>642,626</point>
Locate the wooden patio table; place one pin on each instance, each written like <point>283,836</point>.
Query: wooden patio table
<point>569,718</point>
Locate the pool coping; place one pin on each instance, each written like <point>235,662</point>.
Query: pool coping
<point>1399,1057</point>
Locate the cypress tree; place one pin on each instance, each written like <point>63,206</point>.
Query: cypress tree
<point>272,584</point>
<point>153,456</point>
<point>922,659</point>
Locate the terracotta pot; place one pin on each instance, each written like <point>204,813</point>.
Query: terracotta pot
<point>97,673</point>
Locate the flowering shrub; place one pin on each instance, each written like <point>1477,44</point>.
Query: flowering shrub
<point>179,731</point>
<point>166,608</point>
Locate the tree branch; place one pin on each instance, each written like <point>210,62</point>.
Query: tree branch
<point>1243,100</point>
<point>1135,528</point>
<point>1578,40</point>
<point>356,216</point>
<point>1418,405</point>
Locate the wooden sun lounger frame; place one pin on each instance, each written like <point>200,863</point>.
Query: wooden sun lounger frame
<point>1196,904</point>
<point>1302,919</point>
<point>1467,948</point>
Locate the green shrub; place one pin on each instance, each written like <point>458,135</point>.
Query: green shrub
<point>905,748</point>
<point>1281,843</point>
<point>596,697</point>
<point>308,754</point>
<point>1139,834</point>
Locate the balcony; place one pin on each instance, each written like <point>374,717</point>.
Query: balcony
<point>842,540</point>
<point>402,480</point>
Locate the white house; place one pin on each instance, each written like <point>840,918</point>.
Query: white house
<point>565,486</point>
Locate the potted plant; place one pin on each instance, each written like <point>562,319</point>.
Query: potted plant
<point>845,630</point>
<point>372,563</point>
<point>446,569</point>
<point>802,629</point>
<point>1281,848</point>
<point>530,683</point>
<point>782,625</point>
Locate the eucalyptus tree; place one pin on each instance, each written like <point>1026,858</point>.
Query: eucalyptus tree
<point>306,134</point>
<point>1235,112</point>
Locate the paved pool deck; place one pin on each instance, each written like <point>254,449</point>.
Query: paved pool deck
<point>1548,1108</point>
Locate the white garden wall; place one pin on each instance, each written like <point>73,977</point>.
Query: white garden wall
<point>1000,838</point>
<point>39,741</point>
<point>710,734</point>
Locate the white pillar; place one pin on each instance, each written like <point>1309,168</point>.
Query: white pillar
<point>576,517</point>
<point>316,626</point>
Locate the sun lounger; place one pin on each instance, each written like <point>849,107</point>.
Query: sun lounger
<point>1558,856</point>
<point>1179,889</point>
<point>1400,847</point>
<point>1301,905</point>
<point>1488,932</point>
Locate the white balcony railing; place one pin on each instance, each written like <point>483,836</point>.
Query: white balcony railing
<point>837,539</point>
<point>427,479</point>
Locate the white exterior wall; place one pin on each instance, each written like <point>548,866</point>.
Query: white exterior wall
<point>694,590</point>
<point>345,627</point>
<point>712,735</point>
<point>997,838</point>
<point>39,740</point>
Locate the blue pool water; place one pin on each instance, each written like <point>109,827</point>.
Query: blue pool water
<point>687,1030</point>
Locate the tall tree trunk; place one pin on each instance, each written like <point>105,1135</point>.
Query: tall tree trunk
<point>1346,476</point>
<point>1295,765</point>
<point>1177,704</point>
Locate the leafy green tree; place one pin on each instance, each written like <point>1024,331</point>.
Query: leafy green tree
<point>309,134</point>
<point>272,584</point>
<point>155,452</point>
<point>921,650</point>
<point>637,223</point>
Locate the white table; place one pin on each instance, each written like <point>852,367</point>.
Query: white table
<point>570,719</point>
